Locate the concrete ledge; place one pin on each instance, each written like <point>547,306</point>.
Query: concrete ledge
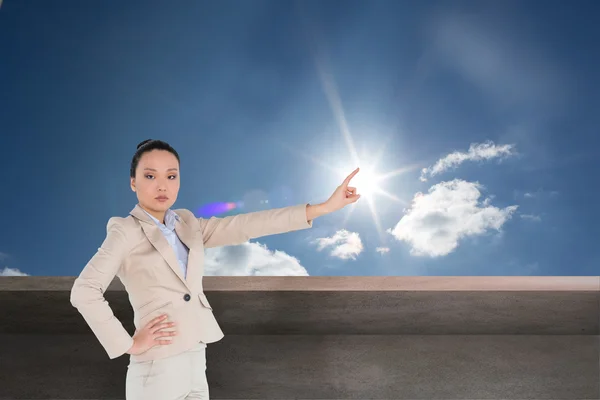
<point>331,338</point>
<point>340,305</point>
<point>342,283</point>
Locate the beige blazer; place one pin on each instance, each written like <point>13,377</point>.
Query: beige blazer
<point>136,251</point>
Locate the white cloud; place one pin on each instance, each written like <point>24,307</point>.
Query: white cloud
<point>451,211</point>
<point>12,272</point>
<point>346,245</point>
<point>250,259</point>
<point>477,152</point>
<point>4,257</point>
<point>383,250</point>
<point>540,193</point>
<point>531,217</point>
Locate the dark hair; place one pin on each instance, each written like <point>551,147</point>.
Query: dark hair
<point>146,146</point>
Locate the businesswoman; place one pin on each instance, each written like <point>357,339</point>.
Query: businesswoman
<point>158,254</point>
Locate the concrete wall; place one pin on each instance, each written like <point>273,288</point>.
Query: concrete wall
<point>332,338</point>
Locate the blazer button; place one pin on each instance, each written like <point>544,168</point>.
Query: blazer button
<point>187,297</point>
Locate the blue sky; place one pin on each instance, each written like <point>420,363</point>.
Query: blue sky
<point>481,116</point>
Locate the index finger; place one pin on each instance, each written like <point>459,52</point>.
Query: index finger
<point>347,180</point>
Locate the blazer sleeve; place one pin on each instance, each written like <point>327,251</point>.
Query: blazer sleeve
<point>237,229</point>
<point>87,294</point>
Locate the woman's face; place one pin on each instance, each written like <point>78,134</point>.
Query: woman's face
<point>156,181</point>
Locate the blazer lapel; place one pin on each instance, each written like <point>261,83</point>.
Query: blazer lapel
<point>185,233</point>
<point>188,236</point>
<point>160,243</point>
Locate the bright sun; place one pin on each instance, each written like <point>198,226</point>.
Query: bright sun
<point>366,182</point>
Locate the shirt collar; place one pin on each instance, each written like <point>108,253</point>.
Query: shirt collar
<point>170,218</point>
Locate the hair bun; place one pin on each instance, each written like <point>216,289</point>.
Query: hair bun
<point>143,143</point>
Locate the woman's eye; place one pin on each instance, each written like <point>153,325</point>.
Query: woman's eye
<point>173,176</point>
<point>148,176</point>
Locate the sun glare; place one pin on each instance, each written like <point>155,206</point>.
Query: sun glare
<point>366,181</point>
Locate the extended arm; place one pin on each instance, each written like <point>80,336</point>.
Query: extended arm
<point>240,228</point>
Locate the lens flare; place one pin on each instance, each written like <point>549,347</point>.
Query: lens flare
<point>217,208</point>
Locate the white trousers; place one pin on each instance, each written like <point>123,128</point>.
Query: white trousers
<point>180,377</point>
